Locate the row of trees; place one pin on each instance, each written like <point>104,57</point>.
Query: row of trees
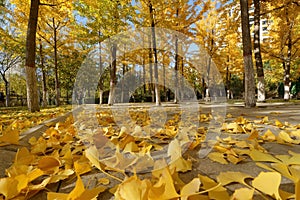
<point>52,38</point>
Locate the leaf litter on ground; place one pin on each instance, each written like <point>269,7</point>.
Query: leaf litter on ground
<point>63,152</point>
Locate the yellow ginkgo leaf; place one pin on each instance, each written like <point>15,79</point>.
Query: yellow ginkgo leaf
<point>229,115</point>
<point>278,123</point>
<point>243,194</point>
<point>260,156</point>
<point>215,190</point>
<point>93,155</point>
<point>34,174</point>
<point>217,157</point>
<point>265,120</point>
<point>297,189</point>
<point>268,183</point>
<point>82,167</point>
<point>174,150</point>
<point>10,136</point>
<point>39,147</point>
<point>103,181</point>
<point>190,189</point>
<point>295,171</point>
<point>57,196</point>
<point>9,187</point>
<point>253,134</point>
<point>181,165</point>
<point>269,136</point>
<point>284,170</point>
<point>61,175</point>
<point>132,188</point>
<point>165,184</point>
<point>78,189</point>
<point>235,160</point>
<point>285,137</point>
<point>22,182</point>
<point>131,147</point>
<point>48,163</point>
<point>24,157</point>
<point>226,178</point>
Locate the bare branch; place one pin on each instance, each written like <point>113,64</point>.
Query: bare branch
<point>48,41</point>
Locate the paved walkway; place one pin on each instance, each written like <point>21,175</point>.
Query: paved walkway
<point>285,112</point>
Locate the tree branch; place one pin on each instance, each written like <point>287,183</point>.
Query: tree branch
<point>269,11</point>
<point>47,4</point>
<point>51,5</point>
<point>296,2</point>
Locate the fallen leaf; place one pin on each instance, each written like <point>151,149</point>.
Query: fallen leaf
<point>190,189</point>
<point>10,136</point>
<point>260,156</point>
<point>103,181</point>
<point>278,123</point>
<point>218,192</point>
<point>165,186</point>
<point>226,178</point>
<point>268,183</point>
<point>217,157</point>
<point>268,136</point>
<point>133,188</point>
<point>243,194</point>
<point>48,163</point>
<point>9,187</point>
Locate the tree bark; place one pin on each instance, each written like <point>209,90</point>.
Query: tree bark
<point>176,92</point>
<point>7,92</point>
<point>250,100</point>
<point>150,54</point>
<point>57,85</point>
<point>44,81</point>
<point>156,86</point>
<point>287,66</point>
<point>101,72</point>
<point>113,70</point>
<point>261,97</point>
<point>30,70</point>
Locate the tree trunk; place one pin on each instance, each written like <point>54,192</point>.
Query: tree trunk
<point>287,66</point>
<point>164,77</point>
<point>151,69</point>
<point>100,71</point>
<point>31,79</point>
<point>250,100</point>
<point>44,82</point>
<point>144,68</point>
<point>176,92</point>
<point>57,85</point>
<point>156,86</point>
<point>257,53</point>
<point>144,76</point>
<point>113,70</point>
<point>123,78</point>
<point>182,77</point>
<point>7,93</point>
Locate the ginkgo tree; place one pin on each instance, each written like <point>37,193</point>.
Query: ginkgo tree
<point>284,37</point>
<point>104,19</point>
<point>10,54</point>
<point>54,28</point>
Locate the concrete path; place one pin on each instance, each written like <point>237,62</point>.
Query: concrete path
<point>285,112</point>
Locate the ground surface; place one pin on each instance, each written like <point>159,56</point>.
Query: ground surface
<point>284,112</point>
